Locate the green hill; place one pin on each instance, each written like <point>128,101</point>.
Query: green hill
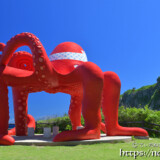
<point>146,95</point>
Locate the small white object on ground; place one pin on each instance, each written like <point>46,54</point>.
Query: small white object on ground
<point>47,132</point>
<point>30,131</point>
<point>55,130</point>
<point>79,127</point>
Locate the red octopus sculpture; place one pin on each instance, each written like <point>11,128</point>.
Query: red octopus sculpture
<point>89,87</point>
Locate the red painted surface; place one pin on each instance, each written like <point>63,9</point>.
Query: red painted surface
<point>88,86</point>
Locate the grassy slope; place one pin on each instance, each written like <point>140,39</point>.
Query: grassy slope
<point>104,151</point>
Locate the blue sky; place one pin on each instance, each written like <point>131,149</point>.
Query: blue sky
<point>118,35</point>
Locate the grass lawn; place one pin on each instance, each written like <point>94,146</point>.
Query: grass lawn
<point>103,151</point>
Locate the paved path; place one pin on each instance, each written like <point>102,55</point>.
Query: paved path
<point>39,140</point>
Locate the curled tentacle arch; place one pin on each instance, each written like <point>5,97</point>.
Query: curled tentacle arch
<point>36,47</point>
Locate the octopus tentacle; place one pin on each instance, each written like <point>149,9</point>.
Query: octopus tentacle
<point>2,46</point>
<point>4,107</point>
<point>21,60</point>
<point>40,58</point>
<point>111,93</point>
<point>4,118</point>
<point>103,127</point>
<point>92,76</point>
<point>75,111</point>
<point>19,71</point>
<point>30,123</point>
<point>20,97</point>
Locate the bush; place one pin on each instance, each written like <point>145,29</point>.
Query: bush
<point>140,114</point>
<point>125,115</point>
